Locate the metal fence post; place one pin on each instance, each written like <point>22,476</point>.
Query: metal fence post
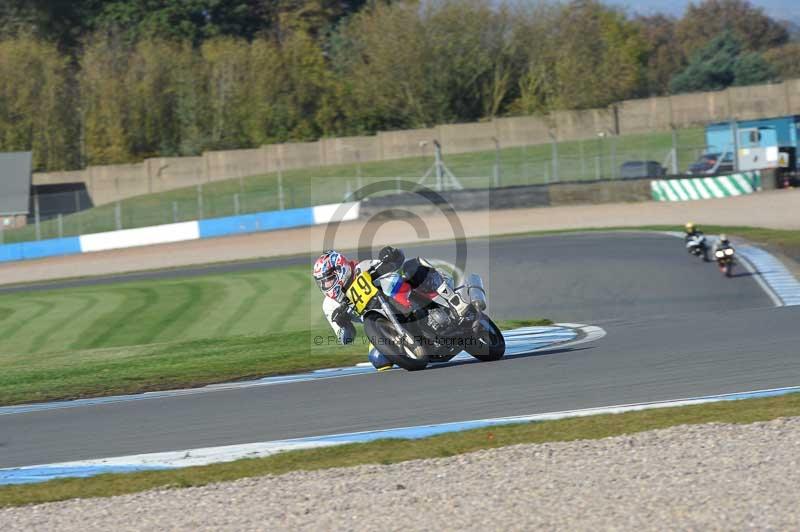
<point>496,169</point>
<point>674,150</point>
<point>36,216</point>
<point>200,201</point>
<point>118,215</point>
<point>597,167</point>
<point>613,156</point>
<point>175,211</point>
<point>236,204</point>
<point>60,225</point>
<point>554,160</point>
<point>77,201</point>
<point>281,204</point>
<point>583,160</point>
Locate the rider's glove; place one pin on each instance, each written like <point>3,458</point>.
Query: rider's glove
<point>340,317</point>
<point>393,258</point>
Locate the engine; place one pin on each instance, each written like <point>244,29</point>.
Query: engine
<point>438,319</point>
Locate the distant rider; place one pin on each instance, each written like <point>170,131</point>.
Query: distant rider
<point>722,244</point>
<point>694,236</point>
<point>692,232</point>
<point>333,273</point>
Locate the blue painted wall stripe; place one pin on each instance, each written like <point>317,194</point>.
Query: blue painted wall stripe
<point>39,249</point>
<point>50,248</point>
<point>250,223</point>
<point>10,252</point>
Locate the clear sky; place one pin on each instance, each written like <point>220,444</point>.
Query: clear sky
<point>777,9</point>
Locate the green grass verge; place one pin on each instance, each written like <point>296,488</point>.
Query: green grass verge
<point>154,311</point>
<point>394,451</point>
<point>139,336</point>
<point>578,160</point>
<point>135,336</point>
<point>170,365</point>
<point>135,369</point>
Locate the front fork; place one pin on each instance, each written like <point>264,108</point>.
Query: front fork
<point>404,335</point>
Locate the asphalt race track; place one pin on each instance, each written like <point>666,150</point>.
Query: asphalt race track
<point>676,328</point>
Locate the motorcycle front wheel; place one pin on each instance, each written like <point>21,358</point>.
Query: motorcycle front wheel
<point>489,343</point>
<point>400,352</point>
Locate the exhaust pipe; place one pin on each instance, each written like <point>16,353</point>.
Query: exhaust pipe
<point>475,291</point>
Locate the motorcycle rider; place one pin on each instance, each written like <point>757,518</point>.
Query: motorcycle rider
<point>692,231</point>
<point>692,235</point>
<point>721,244</point>
<point>333,273</point>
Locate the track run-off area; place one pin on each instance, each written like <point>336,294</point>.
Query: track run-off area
<point>674,328</point>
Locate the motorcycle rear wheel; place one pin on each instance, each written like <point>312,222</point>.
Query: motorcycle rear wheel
<point>383,336</point>
<point>490,344</point>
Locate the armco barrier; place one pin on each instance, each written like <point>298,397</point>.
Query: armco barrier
<point>695,188</point>
<point>162,234</point>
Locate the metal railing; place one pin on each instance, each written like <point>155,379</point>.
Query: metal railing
<point>71,213</point>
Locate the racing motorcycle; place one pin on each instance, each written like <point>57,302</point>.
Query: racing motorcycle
<point>697,246</point>
<point>435,328</point>
<point>725,260</point>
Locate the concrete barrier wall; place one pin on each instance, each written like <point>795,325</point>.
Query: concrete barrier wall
<point>593,192</point>
<point>230,164</point>
<point>639,116</point>
<point>407,143</point>
<point>759,101</point>
<point>111,183</point>
<point>600,192</point>
<point>792,88</point>
<point>576,125</point>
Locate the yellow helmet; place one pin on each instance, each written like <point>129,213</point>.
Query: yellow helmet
<point>689,227</point>
<point>723,238</point>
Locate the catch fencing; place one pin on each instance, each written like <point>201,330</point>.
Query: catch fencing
<point>71,213</point>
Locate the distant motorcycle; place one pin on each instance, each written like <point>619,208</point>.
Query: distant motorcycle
<point>697,246</point>
<point>725,260</point>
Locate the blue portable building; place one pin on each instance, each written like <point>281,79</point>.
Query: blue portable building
<point>757,144</point>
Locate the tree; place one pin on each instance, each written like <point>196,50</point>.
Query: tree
<point>61,21</point>
<point>383,61</point>
<point>36,103</point>
<point>153,85</point>
<point>721,64</point>
<point>594,57</point>
<point>706,20</point>
<point>226,61</point>
<point>751,69</point>
<point>664,56</point>
<point>104,101</point>
<point>785,60</point>
<point>193,20</point>
<point>473,57</point>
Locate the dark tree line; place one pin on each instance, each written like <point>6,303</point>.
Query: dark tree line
<point>108,81</point>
